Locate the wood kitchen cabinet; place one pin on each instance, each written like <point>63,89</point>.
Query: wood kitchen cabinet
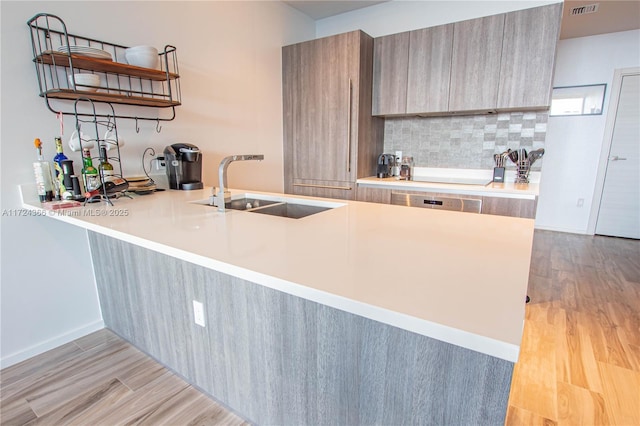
<point>374,195</point>
<point>500,62</point>
<point>429,69</point>
<point>515,207</point>
<point>411,71</point>
<point>475,64</point>
<point>390,69</point>
<point>330,137</point>
<point>528,56</point>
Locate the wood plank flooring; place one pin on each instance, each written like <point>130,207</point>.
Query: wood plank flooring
<point>579,359</point>
<point>579,362</point>
<point>102,380</point>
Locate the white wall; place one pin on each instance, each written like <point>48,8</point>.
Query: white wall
<point>230,67</point>
<point>400,15</point>
<point>573,144</point>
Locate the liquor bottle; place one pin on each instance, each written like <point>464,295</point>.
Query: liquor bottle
<point>90,176</point>
<point>42,170</point>
<point>105,168</point>
<point>59,157</point>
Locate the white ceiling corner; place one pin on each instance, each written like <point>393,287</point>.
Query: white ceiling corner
<point>611,16</point>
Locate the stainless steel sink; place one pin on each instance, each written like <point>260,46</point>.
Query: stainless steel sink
<point>242,203</point>
<point>248,203</point>
<point>294,208</point>
<point>290,210</point>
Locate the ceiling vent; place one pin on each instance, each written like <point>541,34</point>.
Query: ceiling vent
<point>583,10</point>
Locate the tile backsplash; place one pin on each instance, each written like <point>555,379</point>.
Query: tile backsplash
<point>465,142</point>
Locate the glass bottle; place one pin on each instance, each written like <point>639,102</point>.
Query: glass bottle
<point>42,170</point>
<point>105,168</point>
<point>90,176</point>
<point>406,168</point>
<point>59,157</point>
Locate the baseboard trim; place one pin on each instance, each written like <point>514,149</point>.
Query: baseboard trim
<point>47,345</point>
<point>556,229</point>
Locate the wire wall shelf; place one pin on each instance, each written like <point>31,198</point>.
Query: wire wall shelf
<point>62,59</point>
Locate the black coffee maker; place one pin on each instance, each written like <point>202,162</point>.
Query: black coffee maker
<point>385,164</point>
<point>184,166</point>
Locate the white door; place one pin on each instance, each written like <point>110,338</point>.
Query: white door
<point>619,213</point>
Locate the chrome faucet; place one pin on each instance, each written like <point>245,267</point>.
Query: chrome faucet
<point>224,196</point>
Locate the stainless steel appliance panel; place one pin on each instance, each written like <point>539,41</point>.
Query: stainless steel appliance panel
<point>469,205</point>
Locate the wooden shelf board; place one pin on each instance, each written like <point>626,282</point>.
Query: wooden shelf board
<point>109,97</point>
<point>102,65</point>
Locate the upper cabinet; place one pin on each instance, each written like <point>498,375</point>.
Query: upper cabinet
<point>499,62</point>
<point>411,71</point>
<point>390,67</point>
<point>330,137</point>
<point>528,57</point>
<point>475,64</point>
<point>429,69</point>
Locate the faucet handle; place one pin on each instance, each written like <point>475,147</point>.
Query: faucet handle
<point>212,197</point>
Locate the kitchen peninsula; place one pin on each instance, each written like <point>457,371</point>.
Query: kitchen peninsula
<point>364,313</point>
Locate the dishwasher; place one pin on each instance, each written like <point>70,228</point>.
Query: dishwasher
<point>469,205</point>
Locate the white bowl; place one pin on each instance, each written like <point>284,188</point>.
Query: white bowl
<point>142,56</point>
<point>142,48</point>
<point>82,81</point>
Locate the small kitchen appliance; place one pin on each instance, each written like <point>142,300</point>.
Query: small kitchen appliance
<point>385,163</point>
<point>184,166</point>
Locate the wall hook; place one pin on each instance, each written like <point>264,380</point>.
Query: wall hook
<point>158,126</point>
<point>137,128</point>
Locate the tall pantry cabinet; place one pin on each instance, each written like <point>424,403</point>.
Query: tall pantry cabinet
<point>330,137</point>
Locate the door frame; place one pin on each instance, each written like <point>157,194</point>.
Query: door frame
<point>612,112</point>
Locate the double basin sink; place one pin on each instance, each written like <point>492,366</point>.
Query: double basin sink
<point>292,208</point>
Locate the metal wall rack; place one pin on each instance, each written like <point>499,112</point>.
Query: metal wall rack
<point>104,132</point>
<point>56,64</point>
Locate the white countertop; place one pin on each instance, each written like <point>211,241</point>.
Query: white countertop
<point>508,189</point>
<point>457,277</point>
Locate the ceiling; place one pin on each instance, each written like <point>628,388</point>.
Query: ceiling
<point>611,16</point>
<point>324,9</point>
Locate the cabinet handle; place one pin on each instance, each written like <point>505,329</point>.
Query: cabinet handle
<point>310,185</point>
<point>349,129</point>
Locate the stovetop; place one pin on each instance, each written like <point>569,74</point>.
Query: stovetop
<point>454,180</point>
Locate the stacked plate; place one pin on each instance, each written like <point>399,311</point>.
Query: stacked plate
<point>141,185</point>
<point>85,51</point>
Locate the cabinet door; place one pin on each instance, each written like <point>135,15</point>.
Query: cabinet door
<point>514,207</point>
<point>373,195</point>
<point>324,189</point>
<point>475,65</point>
<point>292,62</point>
<point>528,56</point>
<point>390,63</point>
<point>319,77</point>
<point>429,69</point>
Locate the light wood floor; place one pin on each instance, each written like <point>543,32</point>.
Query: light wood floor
<point>580,356</point>
<point>102,380</point>
<point>579,362</point>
